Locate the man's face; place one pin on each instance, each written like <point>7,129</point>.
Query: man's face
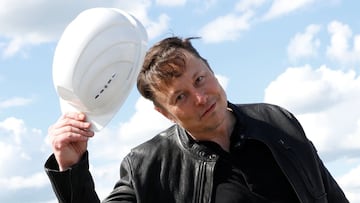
<point>195,100</point>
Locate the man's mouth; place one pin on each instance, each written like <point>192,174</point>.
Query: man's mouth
<point>208,110</point>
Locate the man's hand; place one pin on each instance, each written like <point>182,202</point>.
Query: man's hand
<point>69,137</point>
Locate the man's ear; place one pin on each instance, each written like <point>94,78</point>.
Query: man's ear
<point>164,112</point>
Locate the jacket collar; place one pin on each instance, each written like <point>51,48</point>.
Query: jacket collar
<point>202,151</point>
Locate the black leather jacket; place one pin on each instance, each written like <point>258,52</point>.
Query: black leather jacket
<point>173,168</point>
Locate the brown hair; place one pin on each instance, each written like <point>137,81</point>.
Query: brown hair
<point>163,62</point>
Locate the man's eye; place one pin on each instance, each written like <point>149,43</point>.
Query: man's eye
<point>199,79</point>
<point>180,97</point>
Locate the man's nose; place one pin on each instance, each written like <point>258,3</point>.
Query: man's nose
<point>200,97</point>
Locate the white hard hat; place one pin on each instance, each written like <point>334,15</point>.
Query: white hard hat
<point>96,62</point>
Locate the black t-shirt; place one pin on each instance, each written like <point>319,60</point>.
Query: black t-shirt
<point>249,174</point>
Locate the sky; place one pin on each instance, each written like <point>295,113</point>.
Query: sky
<point>302,55</point>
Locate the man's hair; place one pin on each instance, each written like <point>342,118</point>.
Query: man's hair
<point>163,62</point>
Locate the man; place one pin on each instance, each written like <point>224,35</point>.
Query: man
<point>215,152</point>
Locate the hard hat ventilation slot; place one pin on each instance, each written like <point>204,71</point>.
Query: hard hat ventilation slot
<point>106,85</point>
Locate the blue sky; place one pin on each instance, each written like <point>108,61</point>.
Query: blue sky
<point>302,55</point>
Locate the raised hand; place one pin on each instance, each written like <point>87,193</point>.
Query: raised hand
<point>69,137</point>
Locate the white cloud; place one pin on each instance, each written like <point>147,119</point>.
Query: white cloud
<point>246,5</point>
<point>29,23</point>
<point>17,141</point>
<point>351,184</point>
<point>15,101</point>
<point>208,4</point>
<point>344,47</point>
<point>22,156</point>
<point>7,152</point>
<point>171,3</point>
<point>226,28</point>
<point>326,103</point>
<point>244,15</point>
<point>305,44</point>
<point>13,47</point>
<point>36,180</point>
<point>15,127</point>
<point>204,6</point>
<point>34,22</point>
<point>283,7</point>
<point>223,80</point>
<point>139,8</point>
<point>155,29</point>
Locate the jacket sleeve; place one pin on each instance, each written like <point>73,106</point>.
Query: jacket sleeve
<point>73,185</point>
<point>334,193</point>
<point>124,190</point>
<point>76,184</point>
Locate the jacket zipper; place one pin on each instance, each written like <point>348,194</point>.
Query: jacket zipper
<point>200,183</point>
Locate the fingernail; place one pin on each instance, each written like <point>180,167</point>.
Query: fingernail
<point>81,116</point>
<point>87,125</point>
